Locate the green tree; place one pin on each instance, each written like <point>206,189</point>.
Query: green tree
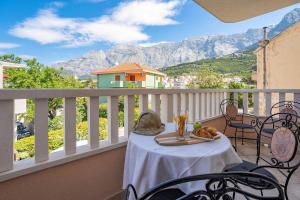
<point>37,75</point>
<point>11,58</point>
<point>206,78</point>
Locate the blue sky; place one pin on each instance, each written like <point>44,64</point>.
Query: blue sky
<point>55,31</point>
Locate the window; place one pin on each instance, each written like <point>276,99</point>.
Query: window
<point>132,78</point>
<point>117,78</point>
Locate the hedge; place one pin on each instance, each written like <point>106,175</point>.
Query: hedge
<point>25,146</point>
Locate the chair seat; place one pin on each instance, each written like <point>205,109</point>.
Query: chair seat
<point>246,167</point>
<point>241,125</point>
<point>168,194</point>
<point>268,130</point>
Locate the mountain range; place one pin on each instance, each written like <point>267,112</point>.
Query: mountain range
<point>173,53</point>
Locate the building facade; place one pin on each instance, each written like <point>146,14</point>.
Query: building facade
<point>278,62</point>
<point>129,76</point>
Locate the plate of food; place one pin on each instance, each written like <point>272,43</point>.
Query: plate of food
<point>205,133</point>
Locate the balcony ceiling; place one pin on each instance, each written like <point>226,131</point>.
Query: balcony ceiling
<point>237,10</point>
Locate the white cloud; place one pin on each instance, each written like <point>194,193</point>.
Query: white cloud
<point>125,24</point>
<point>26,57</point>
<point>5,45</point>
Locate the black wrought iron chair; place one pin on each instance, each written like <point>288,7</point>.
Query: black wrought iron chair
<point>282,107</point>
<point>284,146</point>
<point>235,120</point>
<point>221,186</point>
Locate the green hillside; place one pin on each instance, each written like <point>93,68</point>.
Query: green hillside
<point>236,64</point>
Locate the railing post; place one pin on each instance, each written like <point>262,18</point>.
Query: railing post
<point>112,117</point>
<point>184,102</point>
<point>191,116</point>
<point>6,134</point>
<point>213,104</point>
<point>197,106</point>
<point>236,98</point>
<point>167,108</point>
<point>143,102</point>
<point>129,114</point>
<point>203,106</point>
<point>256,103</point>
<point>41,130</point>
<point>297,99</point>
<point>208,105</point>
<point>281,96</point>
<point>218,101</point>
<point>176,104</point>
<point>268,97</point>
<point>155,105</point>
<point>93,120</point>
<point>70,125</point>
<point>245,102</point>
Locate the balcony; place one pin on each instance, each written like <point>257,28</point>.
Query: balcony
<point>95,170</point>
<point>127,84</point>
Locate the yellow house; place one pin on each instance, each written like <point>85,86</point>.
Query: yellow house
<point>278,63</point>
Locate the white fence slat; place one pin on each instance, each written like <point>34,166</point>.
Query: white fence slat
<point>268,98</point>
<point>93,122</point>
<point>235,97</point>
<point>184,103</point>
<point>143,102</point>
<point>167,108</point>
<point>112,116</point>
<point>245,102</point>
<point>191,111</point>
<point>197,106</point>
<point>128,114</point>
<point>297,99</point>
<point>203,106</point>
<point>208,105</point>
<point>6,134</point>
<point>70,125</point>
<point>218,101</point>
<point>155,103</point>
<point>213,104</point>
<point>281,96</point>
<point>41,130</point>
<point>256,103</point>
<point>176,104</point>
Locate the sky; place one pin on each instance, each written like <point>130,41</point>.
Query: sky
<point>54,31</point>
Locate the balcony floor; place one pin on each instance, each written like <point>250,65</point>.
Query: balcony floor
<point>248,152</point>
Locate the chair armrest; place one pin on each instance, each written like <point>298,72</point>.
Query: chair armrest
<point>127,192</point>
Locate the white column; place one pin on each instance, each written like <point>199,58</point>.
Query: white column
<point>297,99</point>
<point>112,117</point>
<point>197,106</point>
<point>256,103</point>
<point>41,130</point>
<point>203,106</point>
<point>93,120</point>
<point>268,97</point>
<point>156,103</point>
<point>191,113</point>
<point>176,104</point>
<point>143,102</point>
<point>129,114</point>
<point>245,102</point>
<point>213,104</point>
<point>6,134</point>
<point>167,108</point>
<point>70,125</point>
<point>218,101</point>
<point>236,98</point>
<point>208,105</point>
<point>184,102</point>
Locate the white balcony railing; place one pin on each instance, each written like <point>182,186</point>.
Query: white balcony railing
<point>201,105</point>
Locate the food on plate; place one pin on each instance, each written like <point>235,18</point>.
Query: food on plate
<point>197,125</point>
<point>205,132</point>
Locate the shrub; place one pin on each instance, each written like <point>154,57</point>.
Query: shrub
<point>25,146</point>
<point>56,123</point>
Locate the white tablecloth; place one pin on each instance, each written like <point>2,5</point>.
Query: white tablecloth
<point>148,164</point>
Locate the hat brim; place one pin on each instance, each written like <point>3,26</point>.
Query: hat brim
<point>149,132</point>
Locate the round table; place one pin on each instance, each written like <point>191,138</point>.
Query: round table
<point>148,164</point>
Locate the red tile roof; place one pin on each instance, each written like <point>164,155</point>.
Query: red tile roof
<point>127,68</point>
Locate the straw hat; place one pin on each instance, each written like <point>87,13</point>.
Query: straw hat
<point>148,123</point>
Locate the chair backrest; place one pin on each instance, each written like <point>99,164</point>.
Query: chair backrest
<point>285,139</point>
<point>229,109</point>
<point>223,185</point>
<point>285,107</point>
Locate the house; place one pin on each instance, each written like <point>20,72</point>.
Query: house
<point>278,61</point>
<point>131,75</point>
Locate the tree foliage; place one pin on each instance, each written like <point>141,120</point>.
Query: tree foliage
<point>206,78</point>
